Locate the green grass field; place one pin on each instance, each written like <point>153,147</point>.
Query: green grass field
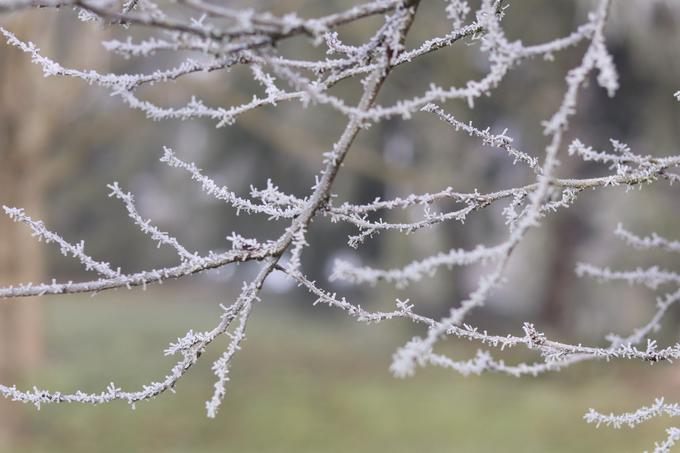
<point>306,384</point>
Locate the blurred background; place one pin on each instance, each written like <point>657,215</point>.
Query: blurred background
<point>308,379</point>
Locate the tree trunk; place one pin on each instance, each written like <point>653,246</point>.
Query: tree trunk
<point>23,139</point>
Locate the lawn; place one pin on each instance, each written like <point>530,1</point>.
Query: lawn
<point>307,383</point>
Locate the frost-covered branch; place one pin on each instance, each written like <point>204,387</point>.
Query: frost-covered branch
<point>647,242</point>
<point>213,37</point>
<point>501,140</point>
<point>77,251</point>
<point>145,225</point>
<point>388,42</point>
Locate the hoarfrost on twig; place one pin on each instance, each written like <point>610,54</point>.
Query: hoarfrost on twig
<point>220,38</point>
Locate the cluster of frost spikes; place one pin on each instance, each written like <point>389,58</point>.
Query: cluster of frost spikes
<point>215,38</point>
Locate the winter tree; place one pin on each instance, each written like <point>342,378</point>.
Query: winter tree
<point>212,37</point>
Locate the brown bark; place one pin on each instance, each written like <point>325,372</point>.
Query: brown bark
<point>24,136</point>
<point>20,261</point>
<point>21,332</point>
<point>35,114</point>
<point>566,233</point>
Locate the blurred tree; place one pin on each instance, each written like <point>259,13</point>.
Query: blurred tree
<point>25,129</point>
<point>34,126</point>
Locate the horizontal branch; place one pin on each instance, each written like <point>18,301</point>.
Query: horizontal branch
<point>143,279</point>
